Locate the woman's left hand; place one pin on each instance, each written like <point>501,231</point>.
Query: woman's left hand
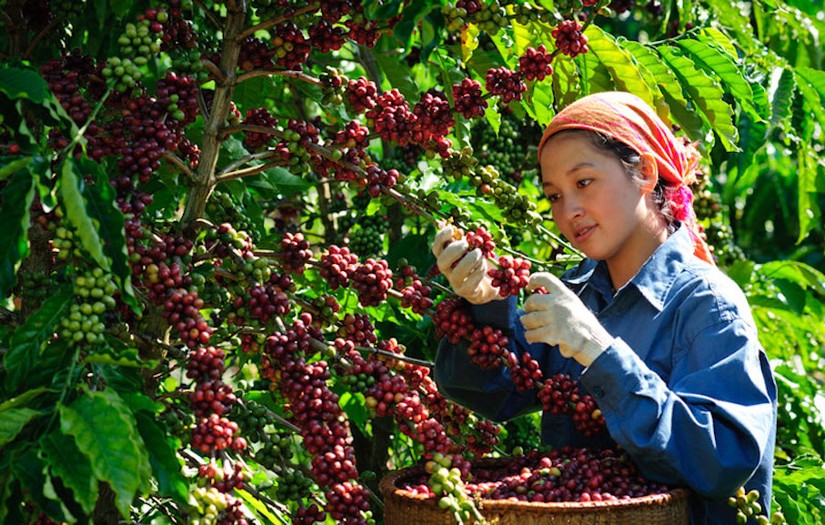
<point>560,318</point>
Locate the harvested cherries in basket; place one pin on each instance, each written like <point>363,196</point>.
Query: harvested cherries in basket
<point>564,475</point>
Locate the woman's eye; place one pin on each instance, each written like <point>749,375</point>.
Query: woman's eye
<point>553,197</point>
<point>584,182</point>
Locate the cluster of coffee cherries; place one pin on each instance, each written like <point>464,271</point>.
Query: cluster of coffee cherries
<point>561,395</point>
<point>446,483</point>
<point>489,16</point>
<point>747,506</point>
<point>511,276</point>
<point>94,296</point>
<point>569,38</point>
<point>562,475</point>
<point>213,506</point>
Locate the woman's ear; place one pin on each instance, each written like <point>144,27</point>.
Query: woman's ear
<point>649,172</point>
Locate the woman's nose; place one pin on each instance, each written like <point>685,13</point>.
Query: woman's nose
<point>572,208</point>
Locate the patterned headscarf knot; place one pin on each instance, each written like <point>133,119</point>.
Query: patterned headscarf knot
<point>628,119</point>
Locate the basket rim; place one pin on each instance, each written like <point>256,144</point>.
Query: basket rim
<point>389,489</point>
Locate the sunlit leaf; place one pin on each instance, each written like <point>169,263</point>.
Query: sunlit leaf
<point>594,74</point>
<point>782,95</point>
<point>669,87</point>
<point>621,64</point>
<point>708,55</point>
<point>705,93</point>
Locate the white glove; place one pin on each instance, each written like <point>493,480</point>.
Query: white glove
<point>560,318</point>
<point>465,270</point>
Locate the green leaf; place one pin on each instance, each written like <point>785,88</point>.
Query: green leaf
<point>807,204</point>
<point>54,365</point>
<point>524,37</point>
<point>5,492</point>
<point>71,192</point>
<point>112,357</point>
<point>23,399</point>
<point>166,467</point>
<point>565,84</point>
<point>719,63</point>
<point>24,345</point>
<point>730,14</point>
<point>811,104</point>
<point>741,272</point>
<point>258,507</point>
<point>252,93</point>
<point>493,117</point>
<point>13,167</point>
<point>782,96</point>
<point>15,204</point>
<point>620,63</point>
<point>71,466</point>
<point>138,402</point>
<point>285,182</point>
<point>506,49</point>
<point>540,103</point>
<point>354,405</point>
<point>23,83</point>
<point>120,8</point>
<point>101,206</point>
<point>105,431</point>
<point>815,78</point>
<point>705,93</point>
<point>719,39</point>
<point>796,272</point>
<point>594,74</point>
<point>29,470</point>
<point>469,41</point>
<point>12,422</point>
<point>398,74</point>
<point>668,85</point>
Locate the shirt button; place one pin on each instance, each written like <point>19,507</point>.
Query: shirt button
<point>598,392</point>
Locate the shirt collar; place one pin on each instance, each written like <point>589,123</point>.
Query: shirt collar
<point>654,278</point>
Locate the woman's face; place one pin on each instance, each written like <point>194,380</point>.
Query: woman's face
<point>596,205</point>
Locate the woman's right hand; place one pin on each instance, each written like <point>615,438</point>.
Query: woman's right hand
<point>465,269</point>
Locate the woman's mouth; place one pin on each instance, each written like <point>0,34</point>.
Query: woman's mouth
<point>582,234</point>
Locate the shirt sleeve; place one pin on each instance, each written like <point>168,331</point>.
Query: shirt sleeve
<point>710,426</point>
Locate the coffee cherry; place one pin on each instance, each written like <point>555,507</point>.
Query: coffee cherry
<point>506,84</point>
<point>569,38</point>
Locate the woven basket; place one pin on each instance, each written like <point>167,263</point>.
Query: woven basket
<point>403,508</point>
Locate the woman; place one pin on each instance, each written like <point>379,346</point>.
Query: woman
<point>647,324</point>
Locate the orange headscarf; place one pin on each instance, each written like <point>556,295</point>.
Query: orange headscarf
<point>628,119</point>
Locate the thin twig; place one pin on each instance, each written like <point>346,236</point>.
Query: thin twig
<point>248,172</point>
<point>245,160</point>
<point>264,130</point>
<point>280,507</point>
<point>266,24</point>
<point>392,355</point>
<point>214,70</point>
<point>179,163</point>
<point>543,229</point>
<point>208,13</point>
<point>39,36</point>
<point>289,73</point>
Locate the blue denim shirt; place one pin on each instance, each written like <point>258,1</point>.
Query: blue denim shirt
<point>685,388</point>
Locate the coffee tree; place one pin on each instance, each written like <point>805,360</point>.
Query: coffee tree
<point>219,303</point>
